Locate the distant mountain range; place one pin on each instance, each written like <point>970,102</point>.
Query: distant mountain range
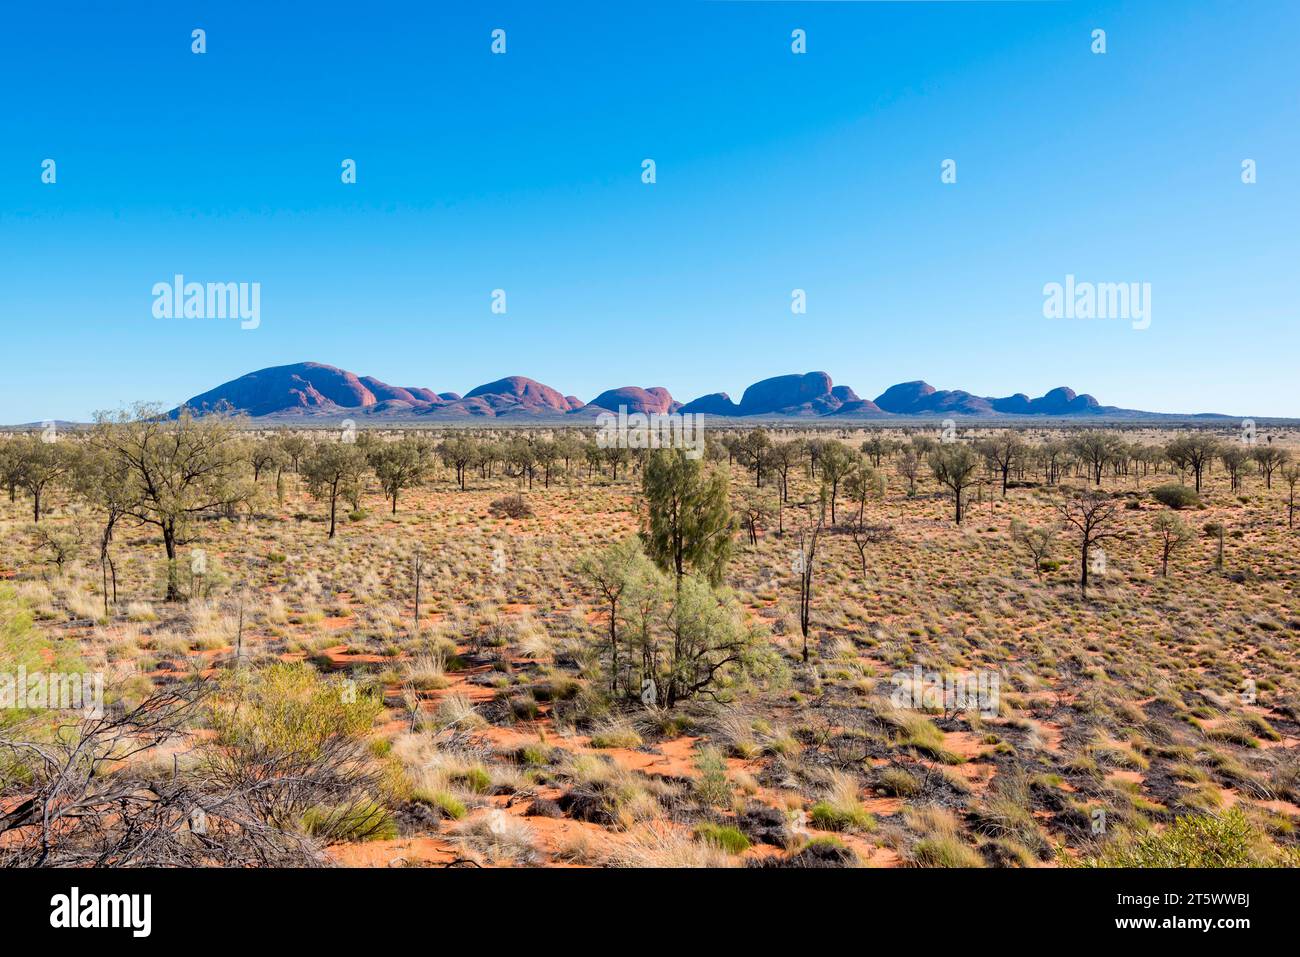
<point>308,389</point>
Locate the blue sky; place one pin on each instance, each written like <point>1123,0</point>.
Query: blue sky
<point>775,172</point>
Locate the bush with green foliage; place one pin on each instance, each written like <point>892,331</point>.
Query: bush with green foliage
<point>1176,496</point>
<point>362,821</point>
<point>290,708</point>
<point>1197,840</point>
<point>726,836</point>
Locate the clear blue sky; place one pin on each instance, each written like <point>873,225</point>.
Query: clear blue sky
<point>775,171</point>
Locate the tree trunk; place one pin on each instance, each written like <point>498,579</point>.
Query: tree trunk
<point>169,545</point>
<point>613,644</point>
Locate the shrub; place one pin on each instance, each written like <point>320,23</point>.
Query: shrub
<point>534,755</point>
<point>726,836</point>
<point>474,778</point>
<point>444,801</point>
<point>898,783</point>
<point>841,810</point>
<point>712,787</point>
<point>826,817</point>
<point>615,735</point>
<point>1196,840</point>
<point>1176,496</point>
<point>941,844</point>
<point>289,708</point>
<point>511,506</point>
<point>363,821</point>
<point>944,850</point>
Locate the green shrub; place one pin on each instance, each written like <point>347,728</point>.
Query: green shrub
<point>726,836</point>
<point>475,779</point>
<point>1176,496</point>
<point>534,755</point>
<point>712,787</point>
<point>289,708</point>
<point>1197,840</point>
<point>944,850</point>
<point>827,817</point>
<point>362,821</point>
<point>444,801</point>
<point>898,783</point>
<point>615,736</point>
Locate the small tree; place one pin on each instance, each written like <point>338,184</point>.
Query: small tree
<point>876,448</point>
<point>180,468</point>
<point>460,453</point>
<point>1270,458</point>
<point>862,484</point>
<point>864,536</point>
<point>909,466</point>
<point>1092,515</point>
<point>1003,452</point>
<point>1291,476</point>
<point>752,449</point>
<point>263,456</point>
<point>11,466</point>
<point>754,513</point>
<point>1193,452</point>
<point>1036,541</point>
<point>398,465</point>
<point>548,453</point>
<point>837,464</point>
<point>782,457</point>
<point>612,571</point>
<point>1095,449</point>
<point>61,543</point>
<point>1173,535</point>
<point>810,530</point>
<point>1234,459</point>
<point>333,469</point>
<point>107,484</point>
<point>711,642</point>
<point>43,463</point>
<point>295,447</point>
<point>954,466</point>
<point>688,522</point>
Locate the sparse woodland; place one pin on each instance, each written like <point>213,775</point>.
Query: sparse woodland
<point>440,647</point>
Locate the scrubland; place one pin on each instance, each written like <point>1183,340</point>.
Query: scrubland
<point>1154,721</point>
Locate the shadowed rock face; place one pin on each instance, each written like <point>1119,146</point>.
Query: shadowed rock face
<point>310,388</point>
<point>382,390</point>
<point>904,397</point>
<point>913,398</point>
<point>1059,401</point>
<point>809,394</point>
<point>634,399</point>
<point>300,388</point>
<point>526,393</point>
<point>785,392</point>
<point>426,395</point>
<point>716,403</point>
